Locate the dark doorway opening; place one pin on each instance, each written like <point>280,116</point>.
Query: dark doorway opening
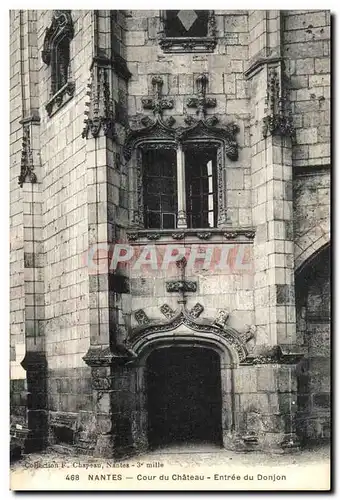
<point>184,396</point>
<point>313,314</point>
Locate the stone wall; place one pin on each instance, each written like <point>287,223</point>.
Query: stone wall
<point>314,329</point>
<point>311,213</point>
<point>64,211</point>
<point>17,291</point>
<point>306,49</point>
<point>223,282</point>
<point>224,68</point>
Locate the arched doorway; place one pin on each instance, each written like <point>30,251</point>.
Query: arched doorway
<point>313,288</point>
<point>184,397</point>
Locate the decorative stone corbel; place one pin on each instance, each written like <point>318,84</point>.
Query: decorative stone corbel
<point>278,119</point>
<point>26,166</point>
<point>100,107</point>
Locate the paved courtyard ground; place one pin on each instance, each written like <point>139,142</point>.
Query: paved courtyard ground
<point>186,467</point>
<point>188,455</point>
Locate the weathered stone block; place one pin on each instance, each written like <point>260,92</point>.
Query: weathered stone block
<point>305,66</point>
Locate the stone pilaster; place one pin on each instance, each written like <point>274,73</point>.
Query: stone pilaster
<point>271,166</point>
<point>29,179</point>
<point>103,131</point>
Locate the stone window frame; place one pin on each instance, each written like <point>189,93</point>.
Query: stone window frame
<point>60,30</point>
<point>188,44</point>
<point>136,179</point>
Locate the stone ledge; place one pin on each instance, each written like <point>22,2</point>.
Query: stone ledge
<point>256,65</point>
<point>229,234</point>
<point>63,96</point>
<point>105,356</point>
<point>274,355</point>
<point>188,44</point>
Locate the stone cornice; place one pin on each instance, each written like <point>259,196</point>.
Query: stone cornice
<point>309,171</point>
<point>257,64</point>
<point>35,118</point>
<point>105,356</point>
<point>117,63</point>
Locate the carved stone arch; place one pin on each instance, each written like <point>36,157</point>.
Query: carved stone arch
<point>307,248</point>
<point>196,329</point>
<point>154,132</point>
<point>145,345</point>
<point>311,253</point>
<point>207,130</point>
<point>162,130</point>
<point>183,331</point>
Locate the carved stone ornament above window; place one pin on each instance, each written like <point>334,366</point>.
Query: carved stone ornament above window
<point>200,101</point>
<point>160,133</point>
<point>187,31</point>
<point>56,54</point>
<point>157,102</point>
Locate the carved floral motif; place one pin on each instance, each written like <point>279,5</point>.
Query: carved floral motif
<point>204,235</point>
<point>153,236</point>
<point>221,318</point>
<point>132,236</point>
<point>178,236</point>
<point>181,286</point>
<point>197,310</point>
<point>101,384</point>
<point>141,317</point>
<point>231,235</point>
<point>167,311</point>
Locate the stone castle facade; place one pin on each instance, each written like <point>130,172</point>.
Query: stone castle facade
<point>118,121</point>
